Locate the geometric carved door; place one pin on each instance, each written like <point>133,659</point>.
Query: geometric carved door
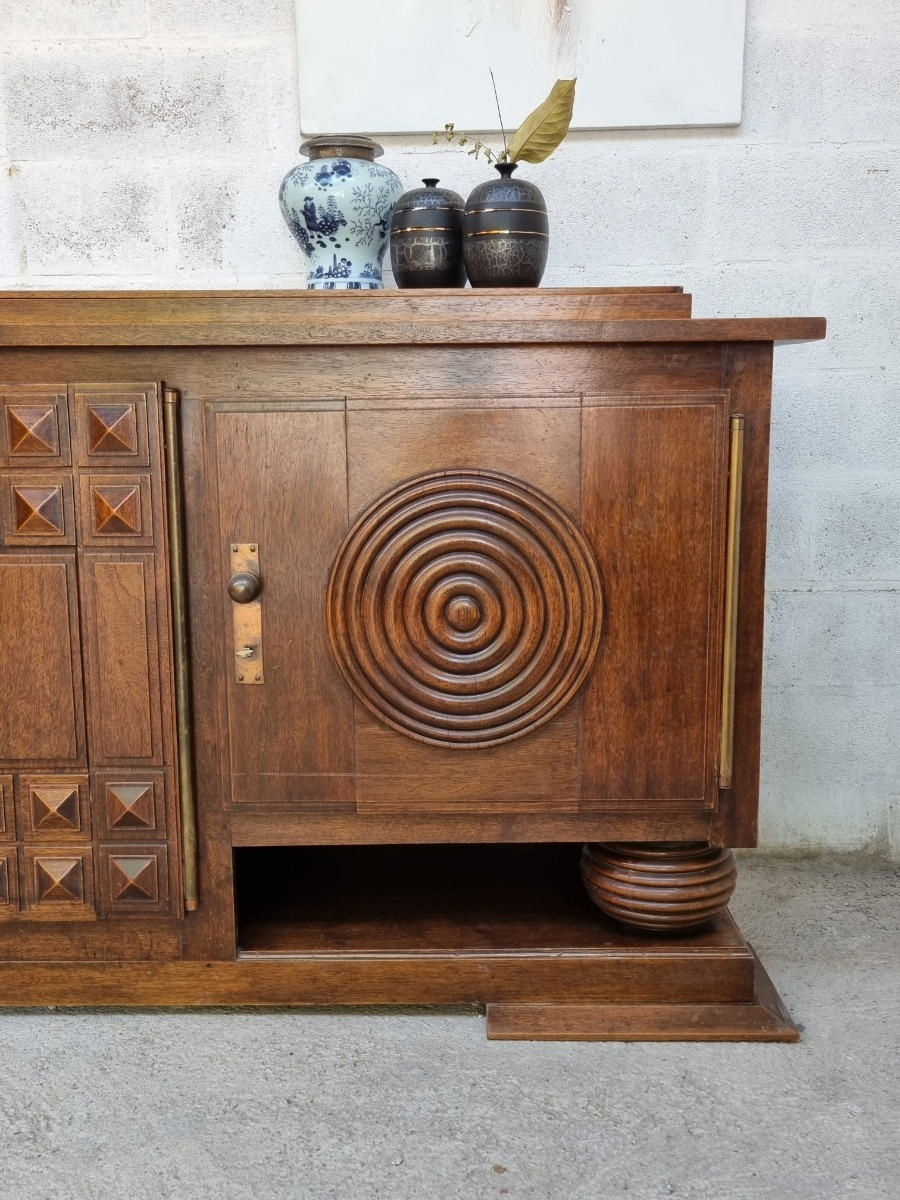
<point>86,724</point>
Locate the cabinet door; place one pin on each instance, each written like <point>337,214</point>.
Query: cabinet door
<point>459,509</point>
<point>654,479</point>
<point>87,735</point>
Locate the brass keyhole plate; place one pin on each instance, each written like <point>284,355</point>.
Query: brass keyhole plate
<point>246,618</point>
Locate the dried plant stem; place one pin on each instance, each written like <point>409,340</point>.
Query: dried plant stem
<point>499,114</point>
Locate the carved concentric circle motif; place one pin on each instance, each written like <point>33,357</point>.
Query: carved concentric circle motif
<point>464,608</point>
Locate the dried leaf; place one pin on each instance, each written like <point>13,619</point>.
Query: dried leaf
<point>542,130</point>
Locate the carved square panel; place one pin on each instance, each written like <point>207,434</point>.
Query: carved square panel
<point>134,879</point>
<point>37,510</point>
<point>111,426</point>
<point>112,429</point>
<point>58,882</point>
<point>7,818</point>
<point>116,510</point>
<point>130,808</point>
<point>54,807</point>
<point>34,429</point>
<point>9,883</point>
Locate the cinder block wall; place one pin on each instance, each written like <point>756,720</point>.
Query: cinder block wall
<point>142,145</point>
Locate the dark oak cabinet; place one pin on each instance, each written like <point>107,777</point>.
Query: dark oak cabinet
<point>398,647</point>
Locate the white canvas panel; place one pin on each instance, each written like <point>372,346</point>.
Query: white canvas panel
<point>408,66</point>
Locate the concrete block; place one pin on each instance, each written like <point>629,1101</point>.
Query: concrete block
<point>833,419</point>
<point>595,272</point>
<point>622,204</point>
<point>10,233</point>
<point>203,207</point>
<point>830,759</point>
<point>796,15</point>
<point>856,532</point>
<point>788,550</point>
<point>145,103</point>
<point>844,640</point>
<point>777,203</point>
<point>221,19</point>
<point>834,529</point>
<point>802,817</point>
<point>820,85</point>
<point>80,217</point>
<point>860,299</point>
<point>228,230</point>
<point>32,20</point>
<point>733,288</point>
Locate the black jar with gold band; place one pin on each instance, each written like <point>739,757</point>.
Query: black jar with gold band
<point>426,238</point>
<point>505,232</point>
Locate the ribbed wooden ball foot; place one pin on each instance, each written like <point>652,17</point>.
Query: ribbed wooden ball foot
<point>666,887</point>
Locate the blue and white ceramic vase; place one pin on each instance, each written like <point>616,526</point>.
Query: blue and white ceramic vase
<point>338,206</point>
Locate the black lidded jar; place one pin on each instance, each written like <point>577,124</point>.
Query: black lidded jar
<point>426,238</point>
<point>505,232</point>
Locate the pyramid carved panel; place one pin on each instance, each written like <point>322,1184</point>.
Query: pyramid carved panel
<point>59,879</point>
<point>59,883</point>
<point>55,809</point>
<point>32,429</point>
<point>35,427</point>
<point>131,808</point>
<point>116,508</point>
<point>112,429</point>
<point>134,879</point>
<point>37,510</point>
<point>111,426</point>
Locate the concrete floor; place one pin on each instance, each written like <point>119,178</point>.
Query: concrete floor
<point>389,1106</point>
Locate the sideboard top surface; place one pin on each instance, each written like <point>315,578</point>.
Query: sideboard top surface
<point>388,317</point>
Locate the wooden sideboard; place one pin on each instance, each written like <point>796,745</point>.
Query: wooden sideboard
<point>384,648</point>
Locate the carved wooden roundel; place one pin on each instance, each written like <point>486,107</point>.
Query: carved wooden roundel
<point>464,608</point>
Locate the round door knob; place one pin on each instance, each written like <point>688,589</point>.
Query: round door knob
<point>244,586</point>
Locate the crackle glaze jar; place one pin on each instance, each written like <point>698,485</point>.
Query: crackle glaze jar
<point>505,232</point>
<point>338,206</point>
<point>426,238</point>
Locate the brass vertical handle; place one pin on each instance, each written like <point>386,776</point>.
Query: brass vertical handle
<point>732,568</point>
<point>180,651</point>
